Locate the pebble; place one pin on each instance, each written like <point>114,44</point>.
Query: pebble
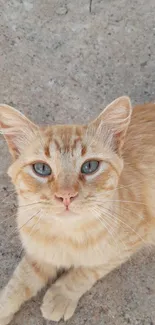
<point>62,11</point>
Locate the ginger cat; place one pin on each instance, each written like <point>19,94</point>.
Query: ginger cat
<point>86,196</point>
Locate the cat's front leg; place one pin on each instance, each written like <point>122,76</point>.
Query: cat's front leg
<point>61,299</point>
<point>26,281</point>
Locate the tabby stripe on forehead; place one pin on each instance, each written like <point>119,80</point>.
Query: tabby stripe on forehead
<point>47,147</point>
<point>57,145</point>
<point>75,143</point>
<point>78,131</point>
<point>47,151</point>
<point>84,150</point>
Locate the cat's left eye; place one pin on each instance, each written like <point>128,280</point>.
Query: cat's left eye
<point>42,169</point>
<point>89,167</point>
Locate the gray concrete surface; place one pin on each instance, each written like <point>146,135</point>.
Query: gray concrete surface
<point>59,63</point>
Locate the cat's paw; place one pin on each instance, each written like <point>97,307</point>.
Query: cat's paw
<point>57,304</point>
<point>5,315</point>
<point>6,320</point>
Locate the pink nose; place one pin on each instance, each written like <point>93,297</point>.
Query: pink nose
<point>66,197</point>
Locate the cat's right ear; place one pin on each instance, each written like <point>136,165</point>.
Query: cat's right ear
<point>16,128</point>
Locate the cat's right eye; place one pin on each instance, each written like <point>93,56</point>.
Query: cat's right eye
<point>42,169</point>
<point>89,167</point>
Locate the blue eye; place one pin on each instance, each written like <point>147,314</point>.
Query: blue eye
<point>89,167</point>
<point>42,169</point>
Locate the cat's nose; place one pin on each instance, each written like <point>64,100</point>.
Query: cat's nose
<point>66,197</point>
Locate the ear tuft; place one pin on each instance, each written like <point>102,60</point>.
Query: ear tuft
<point>116,118</point>
<point>16,128</point>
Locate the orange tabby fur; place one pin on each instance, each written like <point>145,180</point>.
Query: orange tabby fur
<point>110,219</point>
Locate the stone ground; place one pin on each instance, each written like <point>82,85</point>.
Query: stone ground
<point>59,63</point>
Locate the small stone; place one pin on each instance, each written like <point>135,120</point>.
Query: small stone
<point>62,11</point>
<point>127,318</point>
<point>143,64</point>
<point>28,5</point>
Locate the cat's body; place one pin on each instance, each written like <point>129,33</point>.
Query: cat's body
<point>108,214</point>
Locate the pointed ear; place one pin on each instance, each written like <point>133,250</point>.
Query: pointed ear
<point>115,118</point>
<point>16,128</point>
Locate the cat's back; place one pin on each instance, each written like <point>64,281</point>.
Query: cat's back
<point>138,176</point>
<point>140,140</point>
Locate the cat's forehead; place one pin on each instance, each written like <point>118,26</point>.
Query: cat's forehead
<point>65,139</point>
<point>68,141</point>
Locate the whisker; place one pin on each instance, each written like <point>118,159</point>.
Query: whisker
<point>30,204</point>
<point>8,218</point>
<point>128,226</point>
<point>122,201</point>
<point>7,197</point>
<point>14,215</point>
<point>105,225</point>
<point>124,208</point>
<point>34,226</point>
<point>45,203</point>
<point>131,211</point>
<point>112,220</point>
<point>135,214</point>
<point>17,230</point>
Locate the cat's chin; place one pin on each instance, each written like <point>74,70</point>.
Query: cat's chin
<point>67,214</point>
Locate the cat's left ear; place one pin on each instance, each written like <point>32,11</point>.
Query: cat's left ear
<point>115,120</point>
<point>16,128</point>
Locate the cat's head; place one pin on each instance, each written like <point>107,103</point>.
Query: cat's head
<point>66,170</point>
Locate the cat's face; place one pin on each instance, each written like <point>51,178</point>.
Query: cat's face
<point>67,171</point>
